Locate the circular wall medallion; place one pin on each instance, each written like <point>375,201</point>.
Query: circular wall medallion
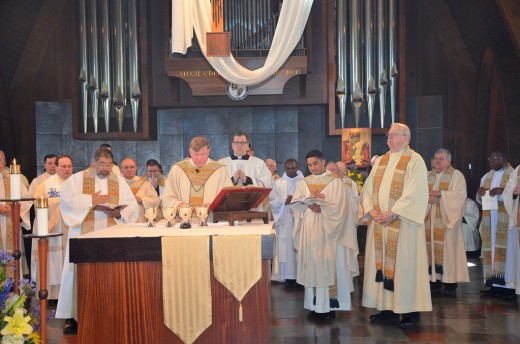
<point>236,92</point>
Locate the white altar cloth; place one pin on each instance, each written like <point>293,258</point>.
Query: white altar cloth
<point>140,230</point>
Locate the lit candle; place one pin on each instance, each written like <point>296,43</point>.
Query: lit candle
<point>14,179</point>
<point>42,215</point>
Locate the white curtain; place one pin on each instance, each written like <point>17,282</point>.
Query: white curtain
<point>196,14</point>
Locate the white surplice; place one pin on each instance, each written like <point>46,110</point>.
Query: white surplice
<point>469,227</point>
<point>283,225</point>
<point>75,206</point>
<point>512,273</point>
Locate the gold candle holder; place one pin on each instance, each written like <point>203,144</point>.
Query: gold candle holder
<point>15,169</point>
<point>42,202</point>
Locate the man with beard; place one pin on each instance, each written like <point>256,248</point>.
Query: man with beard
<point>80,194</point>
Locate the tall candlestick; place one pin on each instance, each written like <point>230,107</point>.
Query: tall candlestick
<point>42,215</point>
<point>14,179</point>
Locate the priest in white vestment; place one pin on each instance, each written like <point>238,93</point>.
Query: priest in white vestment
<point>395,198</point>
<point>511,195</point>
<point>144,192</point>
<point>444,238</point>
<point>49,165</point>
<point>50,188</point>
<point>197,181</point>
<point>80,193</point>
<point>325,238</point>
<point>501,267</point>
<point>244,169</point>
<point>279,199</point>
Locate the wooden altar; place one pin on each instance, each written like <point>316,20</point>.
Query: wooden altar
<point>120,289</point>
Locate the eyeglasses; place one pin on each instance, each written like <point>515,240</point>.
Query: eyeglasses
<point>389,134</point>
<point>64,166</point>
<point>104,164</point>
<point>240,143</point>
<point>493,158</point>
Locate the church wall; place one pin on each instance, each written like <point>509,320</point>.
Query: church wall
<point>275,132</point>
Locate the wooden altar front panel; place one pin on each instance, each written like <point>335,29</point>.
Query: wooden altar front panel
<point>121,301</point>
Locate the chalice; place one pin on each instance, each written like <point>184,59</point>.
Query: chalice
<point>169,214</point>
<point>150,214</point>
<point>202,213</point>
<point>185,214</point>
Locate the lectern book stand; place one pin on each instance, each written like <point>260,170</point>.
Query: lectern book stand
<point>235,203</point>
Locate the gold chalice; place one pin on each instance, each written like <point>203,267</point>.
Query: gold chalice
<point>202,213</point>
<point>185,214</point>
<point>169,214</point>
<point>150,214</point>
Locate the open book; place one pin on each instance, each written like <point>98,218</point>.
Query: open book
<point>302,204</point>
<point>108,208</point>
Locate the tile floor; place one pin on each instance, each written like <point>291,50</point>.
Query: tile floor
<point>464,318</point>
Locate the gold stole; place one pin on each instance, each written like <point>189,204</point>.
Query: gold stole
<point>316,185</point>
<point>439,227</point>
<point>198,178</point>
<point>89,188</point>
<point>395,192</point>
<point>135,185</point>
<point>8,222</point>
<point>495,276</point>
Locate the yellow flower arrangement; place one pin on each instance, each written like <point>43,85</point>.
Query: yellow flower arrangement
<point>17,324</point>
<point>357,177</point>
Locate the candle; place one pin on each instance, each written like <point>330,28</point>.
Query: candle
<point>14,179</point>
<point>42,215</point>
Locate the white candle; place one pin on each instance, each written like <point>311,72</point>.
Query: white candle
<point>42,216</point>
<point>14,179</point>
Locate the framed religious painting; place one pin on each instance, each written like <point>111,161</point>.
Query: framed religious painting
<point>356,146</point>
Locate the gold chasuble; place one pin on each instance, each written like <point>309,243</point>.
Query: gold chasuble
<point>439,228</point>
<point>89,188</point>
<point>237,263</point>
<point>198,178</point>
<point>396,192</point>
<point>135,185</point>
<point>186,285</point>
<point>8,222</point>
<point>495,275</point>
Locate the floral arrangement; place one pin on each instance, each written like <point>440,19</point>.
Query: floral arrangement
<point>357,177</point>
<point>17,324</point>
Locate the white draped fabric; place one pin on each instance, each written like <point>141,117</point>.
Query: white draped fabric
<point>196,14</point>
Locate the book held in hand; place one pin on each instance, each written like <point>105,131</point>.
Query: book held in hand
<point>108,208</point>
<point>302,204</point>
